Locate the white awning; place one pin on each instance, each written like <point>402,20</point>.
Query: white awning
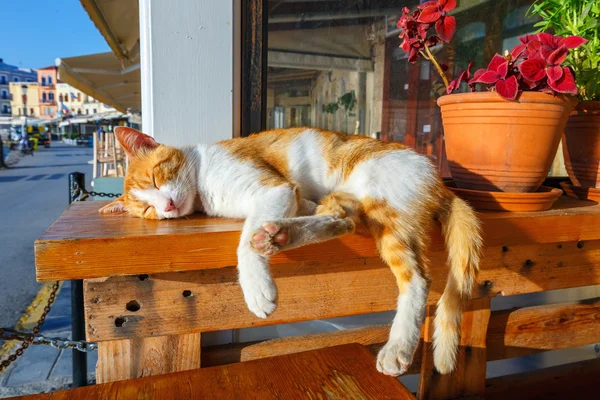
<point>118,22</point>
<point>91,119</point>
<point>104,77</point>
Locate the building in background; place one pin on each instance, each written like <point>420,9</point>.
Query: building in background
<point>47,80</point>
<point>10,73</point>
<point>25,99</point>
<point>92,106</point>
<point>70,100</point>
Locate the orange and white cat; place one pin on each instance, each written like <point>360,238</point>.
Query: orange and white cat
<point>299,186</point>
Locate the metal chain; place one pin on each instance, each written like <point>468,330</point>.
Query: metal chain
<point>59,343</point>
<point>34,338</point>
<point>101,194</point>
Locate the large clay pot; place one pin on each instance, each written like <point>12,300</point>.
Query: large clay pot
<point>581,145</point>
<point>497,145</point>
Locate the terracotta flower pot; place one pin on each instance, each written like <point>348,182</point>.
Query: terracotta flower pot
<point>497,145</point>
<point>581,145</point>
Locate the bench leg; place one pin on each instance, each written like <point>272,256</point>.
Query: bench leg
<point>468,379</point>
<point>133,358</point>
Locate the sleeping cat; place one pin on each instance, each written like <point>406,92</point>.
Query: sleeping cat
<point>300,186</point>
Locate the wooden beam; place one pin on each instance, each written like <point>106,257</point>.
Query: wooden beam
<point>85,244</point>
<point>468,379</point>
<point>129,359</point>
<point>502,338</point>
<point>313,290</point>
<point>571,381</point>
<point>515,333</point>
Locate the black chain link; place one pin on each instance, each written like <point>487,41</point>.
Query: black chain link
<point>36,329</point>
<point>102,194</point>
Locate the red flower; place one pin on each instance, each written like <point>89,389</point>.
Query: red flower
<point>414,34</point>
<point>497,75</point>
<point>436,12</point>
<point>551,52</point>
<point>464,76</point>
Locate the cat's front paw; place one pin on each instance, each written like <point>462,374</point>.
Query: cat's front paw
<point>260,295</point>
<point>393,360</point>
<point>268,239</point>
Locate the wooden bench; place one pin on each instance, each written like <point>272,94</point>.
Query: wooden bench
<point>152,288</point>
<point>342,372</point>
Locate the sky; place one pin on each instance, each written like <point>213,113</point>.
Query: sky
<point>33,33</point>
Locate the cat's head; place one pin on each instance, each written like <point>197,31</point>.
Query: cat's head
<point>159,184</point>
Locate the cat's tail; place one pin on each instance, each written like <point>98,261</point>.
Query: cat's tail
<point>462,234</point>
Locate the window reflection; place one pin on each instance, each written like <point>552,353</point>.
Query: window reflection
<point>337,65</point>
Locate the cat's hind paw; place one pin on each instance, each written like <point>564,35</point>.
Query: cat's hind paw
<point>260,296</point>
<point>268,239</point>
<point>392,360</point>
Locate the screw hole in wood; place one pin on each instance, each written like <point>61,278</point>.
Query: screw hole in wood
<point>119,321</point>
<point>187,293</point>
<point>133,306</point>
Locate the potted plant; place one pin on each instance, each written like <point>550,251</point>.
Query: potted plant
<point>502,139</point>
<point>581,139</point>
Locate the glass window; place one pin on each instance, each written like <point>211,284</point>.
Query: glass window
<point>5,109</point>
<point>95,110</point>
<point>4,95</point>
<point>3,80</point>
<point>79,97</point>
<point>51,96</point>
<point>50,80</point>
<point>340,68</point>
<point>43,81</point>
<point>44,96</point>
<point>16,79</point>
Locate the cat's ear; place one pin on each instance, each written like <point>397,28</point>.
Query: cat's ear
<point>134,142</point>
<point>115,206</point>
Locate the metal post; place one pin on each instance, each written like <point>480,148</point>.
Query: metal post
<point>76,184</point>
<point>2,163</point>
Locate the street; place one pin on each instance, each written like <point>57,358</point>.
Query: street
<point>32,195</point>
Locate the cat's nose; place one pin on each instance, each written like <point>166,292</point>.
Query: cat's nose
<point>170,206</point>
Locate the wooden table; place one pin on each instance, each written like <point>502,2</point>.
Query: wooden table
<point>342,372</point>
<point>152,287</point>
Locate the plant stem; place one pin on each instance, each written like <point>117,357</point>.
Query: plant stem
<point>437,66</point>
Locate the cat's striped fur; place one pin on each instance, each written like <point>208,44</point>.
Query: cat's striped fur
<point>299,186</point>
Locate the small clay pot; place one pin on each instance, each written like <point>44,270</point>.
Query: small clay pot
<point>581,145</point>
<point>497,145</point>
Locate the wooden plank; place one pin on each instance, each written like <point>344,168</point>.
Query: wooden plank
<point>134,358</point>
<point>342,372</point>
<point>368,336</point>
<point>84,244</point>
<point>313,290</point>
<point>468,379</point>
<point>571,381</point>
<point>514,333</point>
<point>511,333</point>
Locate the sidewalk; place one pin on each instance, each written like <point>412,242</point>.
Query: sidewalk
<point>43,368</point>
